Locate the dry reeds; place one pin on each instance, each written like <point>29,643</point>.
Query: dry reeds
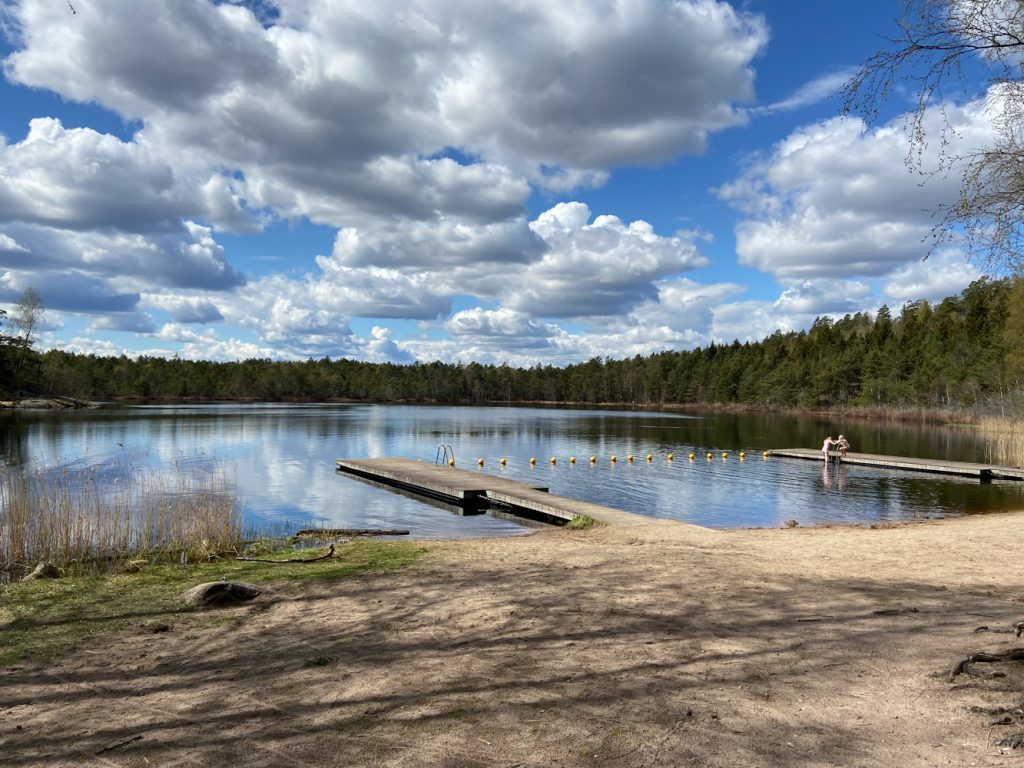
<point>76,521</point>
<point>1005,440</point>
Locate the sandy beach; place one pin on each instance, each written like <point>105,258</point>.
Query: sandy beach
<point>652,645</point>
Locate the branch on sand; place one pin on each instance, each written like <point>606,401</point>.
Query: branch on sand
<point>961,668</point>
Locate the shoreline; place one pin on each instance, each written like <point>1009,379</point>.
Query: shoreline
<point>664,644</point>
<point>46,403</point>
<point>914,414</point>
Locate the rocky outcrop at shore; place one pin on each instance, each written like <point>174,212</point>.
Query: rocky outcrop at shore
<point>48,403</point>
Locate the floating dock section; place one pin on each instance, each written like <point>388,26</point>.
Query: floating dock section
<point>480,489</point>
<point>983,472</point>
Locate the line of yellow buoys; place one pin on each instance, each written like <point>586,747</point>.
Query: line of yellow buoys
<point>503,461</point>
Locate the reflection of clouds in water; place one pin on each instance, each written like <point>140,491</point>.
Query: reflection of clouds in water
<point>763,493</point>
<point>295,480</point>
<point>754,492</point>
<point>282,461</point>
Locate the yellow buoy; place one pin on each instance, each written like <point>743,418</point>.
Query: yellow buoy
<point>553,460</point>
<point>593,459</point>
<point>709,454</point>
<point>451,462</point>
<point>614,458</point>
<point>479,462</point>
<point>742,455</point>
<point>725,455</point>
<point>766,454</point>
<point>670,456</point>
<point>533,460</point>
<point>650,457</point>
<point>572,459</point>
<point>693,456</point>
<point>630,457</point>
<point>503,462</point>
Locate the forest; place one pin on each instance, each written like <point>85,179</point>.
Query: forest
<point>964,352</point>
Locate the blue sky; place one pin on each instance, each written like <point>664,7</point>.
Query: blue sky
<point>507,182</point>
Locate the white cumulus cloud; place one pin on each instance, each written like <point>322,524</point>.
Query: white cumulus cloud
<point>838,200</point>
<point>945,273</point>
<point>603,267</point>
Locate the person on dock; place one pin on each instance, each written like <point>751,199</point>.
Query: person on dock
<point>829,442</point>
<point>844,445</point>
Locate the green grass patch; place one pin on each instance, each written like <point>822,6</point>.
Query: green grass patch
<point>41,620</point>
<point>582,523</point>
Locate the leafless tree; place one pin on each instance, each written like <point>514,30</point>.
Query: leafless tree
<point>971,49</point>
<point>27,314</point>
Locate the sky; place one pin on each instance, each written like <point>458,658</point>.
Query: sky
<point>512,182</point>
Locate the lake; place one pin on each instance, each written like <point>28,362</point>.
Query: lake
<point>281,461</point>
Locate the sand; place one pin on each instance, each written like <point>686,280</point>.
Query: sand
<point>655,645</point>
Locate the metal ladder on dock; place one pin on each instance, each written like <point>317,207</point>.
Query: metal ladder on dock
<point>445,455</point>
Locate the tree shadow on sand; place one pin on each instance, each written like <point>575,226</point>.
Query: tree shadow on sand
<point>488,664</point>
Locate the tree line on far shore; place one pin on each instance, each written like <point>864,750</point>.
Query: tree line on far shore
<point>965,351</point>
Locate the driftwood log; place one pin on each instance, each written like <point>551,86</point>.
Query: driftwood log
<point>328,556</point>
<point>337,532</point>
<point>44,571</point>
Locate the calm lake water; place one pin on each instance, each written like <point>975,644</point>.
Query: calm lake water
<point>281,460</point>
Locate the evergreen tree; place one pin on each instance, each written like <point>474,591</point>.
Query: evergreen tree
<point>1013,334</point>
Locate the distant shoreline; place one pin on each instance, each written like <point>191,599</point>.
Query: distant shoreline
<point>46,403</point>
<point>959,417</point>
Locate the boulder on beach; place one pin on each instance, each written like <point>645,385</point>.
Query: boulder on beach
<point>221,594</point>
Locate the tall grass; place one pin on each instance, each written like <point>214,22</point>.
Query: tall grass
<point>80,523</point>
<point>1005,439</point>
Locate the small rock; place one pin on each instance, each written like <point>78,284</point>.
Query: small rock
<point>44,571</point>
<point>792,523</point>
<point>221,593</point>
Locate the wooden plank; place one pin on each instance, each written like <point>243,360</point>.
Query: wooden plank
<point>565,508</point>
<point>434,479</point>
<point>936,466</point>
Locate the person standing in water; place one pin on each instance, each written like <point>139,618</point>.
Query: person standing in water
<point>829,442</point>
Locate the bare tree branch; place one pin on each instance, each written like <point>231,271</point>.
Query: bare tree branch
<point>942,48</point>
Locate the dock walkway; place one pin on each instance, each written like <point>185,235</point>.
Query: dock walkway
<point>961,468</point>
<point>479,488</point>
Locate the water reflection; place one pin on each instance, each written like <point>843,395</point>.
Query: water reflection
<point>281,460</point>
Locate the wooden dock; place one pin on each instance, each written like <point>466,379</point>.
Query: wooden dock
<point>480,489</point>
<point>983,472</point>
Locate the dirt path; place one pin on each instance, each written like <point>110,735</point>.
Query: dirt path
<point>663,645</point>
